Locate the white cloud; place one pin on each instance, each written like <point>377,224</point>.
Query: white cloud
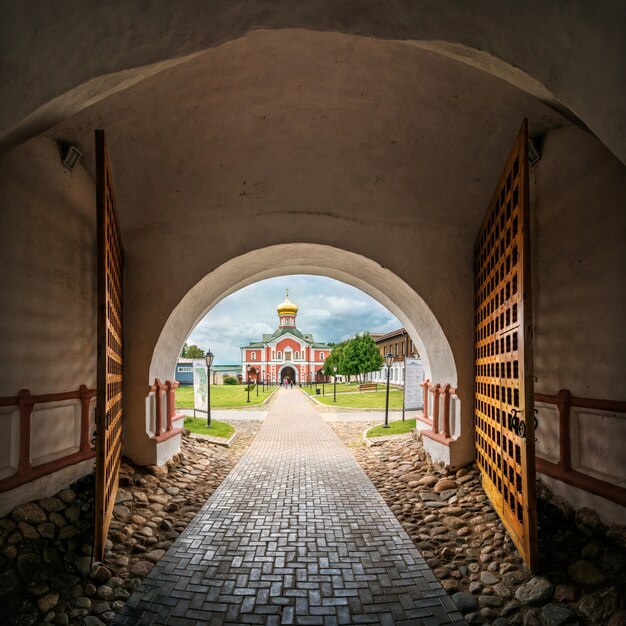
<point>329,309</point>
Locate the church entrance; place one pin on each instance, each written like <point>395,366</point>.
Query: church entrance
<point>287,373</point>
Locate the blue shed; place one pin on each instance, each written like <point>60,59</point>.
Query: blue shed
<point>184,371</point>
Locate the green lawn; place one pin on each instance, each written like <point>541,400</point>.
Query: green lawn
<point>328,388</point>
<point>341,388</point>
<point>365,400</point>
<point>395,428</point>
<point>223,396</point>
<point>218,429</point>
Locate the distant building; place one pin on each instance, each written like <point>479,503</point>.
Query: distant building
<point>400,345</point>
<point>287,353</point>
<point>219,371</point>
<point>184,372</point>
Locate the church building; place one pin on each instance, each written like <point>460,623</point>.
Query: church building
<point>286,353</point>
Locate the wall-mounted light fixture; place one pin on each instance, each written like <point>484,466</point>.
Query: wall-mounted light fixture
<point>533,152</point>
<point>71,156</point>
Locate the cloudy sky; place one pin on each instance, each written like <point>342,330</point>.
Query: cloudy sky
<point>329,309</point>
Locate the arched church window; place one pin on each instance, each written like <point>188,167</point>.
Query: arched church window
<point>322,356</point>
<point>253,357</point>
<point>297,355</point>
<point>280,354</point>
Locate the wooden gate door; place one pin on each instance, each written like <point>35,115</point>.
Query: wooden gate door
<point>109,368</point>
<point>503,382</point>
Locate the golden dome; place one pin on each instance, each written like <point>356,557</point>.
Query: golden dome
<point>287,307</point>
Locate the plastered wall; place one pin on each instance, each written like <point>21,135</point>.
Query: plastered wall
<point>47,308</point>
<point>570,55</point>
<point>47,283</point>
<point>579,307</point>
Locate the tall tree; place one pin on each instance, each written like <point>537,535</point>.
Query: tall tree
<point>192,351</point>
<point>354,357</point>
<point>334,359</point>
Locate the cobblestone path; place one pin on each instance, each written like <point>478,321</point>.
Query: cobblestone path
<point>296,534</point>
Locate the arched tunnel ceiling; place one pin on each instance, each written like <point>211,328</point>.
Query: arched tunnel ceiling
<point>299,122</point>
<point>59,57</point>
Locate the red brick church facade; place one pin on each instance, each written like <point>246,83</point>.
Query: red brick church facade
<point>287,353</point>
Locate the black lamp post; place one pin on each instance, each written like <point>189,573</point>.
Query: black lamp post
<point>209,361</point>
<point>388,363</point>
<point>256,383</point>
<point>335,381</point>
<point>263,382</point>
<point>248,382</point>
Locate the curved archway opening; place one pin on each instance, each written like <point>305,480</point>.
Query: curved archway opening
<point>356,270</point>
<point>398,297</point>
<point>287,373</point>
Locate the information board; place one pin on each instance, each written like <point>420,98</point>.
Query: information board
<point>413,379</point>
<point>200,382</point>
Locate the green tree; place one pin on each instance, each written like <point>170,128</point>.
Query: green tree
<point>370,358</point>
<point>355,357</point>
<point>192,352</point>
<point>334,358</point>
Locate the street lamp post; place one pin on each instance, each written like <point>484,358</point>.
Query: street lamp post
<point>256,383</point>
<point>263,384</point>
<point>209,361</point>
<point>248,382</point>
<point>335,383</point>
<point>388,363</point>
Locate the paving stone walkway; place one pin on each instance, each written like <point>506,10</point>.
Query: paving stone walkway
<point>296,534</point>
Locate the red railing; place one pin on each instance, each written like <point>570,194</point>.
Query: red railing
<point>25,401</point>
<point>562,469</point>
<point>440,421</point>
<point>167,389</point>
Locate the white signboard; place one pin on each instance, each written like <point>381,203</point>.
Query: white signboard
<point>200,383</point>
<point>413,379</point>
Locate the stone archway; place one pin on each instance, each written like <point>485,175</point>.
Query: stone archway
<point>383,285</point>
<point>155,39</point>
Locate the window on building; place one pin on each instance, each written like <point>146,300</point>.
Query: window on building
<point>297,355</point>
<point>402,347</point>
<point>183,369</point>
<point>321,356</point>
<point>253,356</point>
<point>273,354</point>
<point>280,354</point>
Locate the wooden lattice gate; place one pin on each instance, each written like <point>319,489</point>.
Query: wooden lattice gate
<point>503,384</point>
<point>109,370</point>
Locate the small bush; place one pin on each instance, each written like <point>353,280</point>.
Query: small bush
<point>230,380</point>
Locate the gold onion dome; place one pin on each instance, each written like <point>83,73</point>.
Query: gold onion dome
<point>287,307</point>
